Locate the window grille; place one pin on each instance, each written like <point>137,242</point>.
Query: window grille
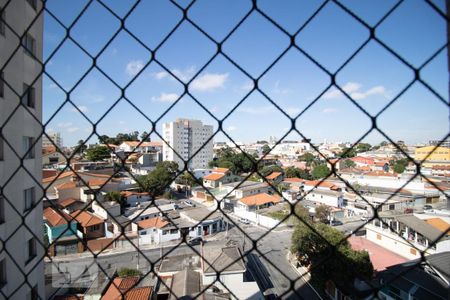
<point>26,146</point>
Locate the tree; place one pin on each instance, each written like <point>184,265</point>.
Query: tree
<point>328,257</point>
<point>320,171</point>
<point>81,147</point>
<point>265,149</point>
<point>292,172</point>
<point>262,142</point>
<point>323,212</point>
<point>347,152</point>
<point>265,171</point>
<point>157,181</point>
<point>236,162</point>
<point>308,157</point>
<point>126,272</point>
<point>97,153</point>
<point>399,165</point>
<point>363,147</point>
<point>116,197</point>
<point>348,163</point>
<point>145,137</point>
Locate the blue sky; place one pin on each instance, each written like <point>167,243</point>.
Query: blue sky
<point>372,78</point>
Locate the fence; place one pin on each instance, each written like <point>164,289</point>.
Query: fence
<point>22,67</point>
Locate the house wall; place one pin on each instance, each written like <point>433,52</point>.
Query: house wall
<point>69,193</point>
<point>89,233</point>
<point>60,231</point>
<point>259,219</point>
<point>323,199</point>
<point>106,213</point>
<point>393,242</point>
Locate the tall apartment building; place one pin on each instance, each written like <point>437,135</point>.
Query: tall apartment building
<point>55,137</point>
<point>21,255</point>
<point>186,137</point>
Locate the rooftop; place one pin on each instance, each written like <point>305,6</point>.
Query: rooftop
<point>200,214</point>
<point>86,219</point>
<point>214,176</point>
<point>56,218</point>
<point>420,226</point>
<point>152,223</point>
<point>259,199</point>
<point>226,259</point>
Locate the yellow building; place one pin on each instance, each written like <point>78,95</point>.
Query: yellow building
<point>440,156</point>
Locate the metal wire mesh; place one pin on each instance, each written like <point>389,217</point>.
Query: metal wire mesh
<point>22,41</point>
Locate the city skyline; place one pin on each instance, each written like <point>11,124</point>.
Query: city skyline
<point>294,82</point>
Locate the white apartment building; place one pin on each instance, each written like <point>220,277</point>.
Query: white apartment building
<point>186,137</point>
<point>55,137</point>
<point>21,247</point>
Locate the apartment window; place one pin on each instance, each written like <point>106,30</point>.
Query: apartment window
<point>94,228</point>
<point>2,85</point>
<point>29,43</point>
<point>28,148</point>
<point>2,24</point>
<point>31,250</point>
<point>29,95</point>
<point>33,3</point>
<point>28,196</point>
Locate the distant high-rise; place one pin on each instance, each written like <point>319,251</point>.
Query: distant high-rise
<point>186,137</point>
<point>20,209</point>
<point>55,137</point>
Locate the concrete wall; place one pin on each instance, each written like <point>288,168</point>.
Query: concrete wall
<point>257,218</point>
<point>22,68</point>
<point>61,231</point>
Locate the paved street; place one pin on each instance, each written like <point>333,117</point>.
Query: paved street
<point>265,265</point>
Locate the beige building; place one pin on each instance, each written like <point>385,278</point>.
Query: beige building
<point>185,137</point>
<point>432,156</point>
<point>20,74</point>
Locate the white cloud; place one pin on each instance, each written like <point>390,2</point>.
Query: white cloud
<point>247,86</point>
<point>166,97</point>
<point>64,125</point>
<point>52,86</point>
<point>278,90</point>
<point>214,109</point>
<point>72,129</point>
<point>293,111</point>
<point>134,66</point>
<point>354,90</point>
<point>329,110</point>
<point>260,110</point>
<point>82,108</point>
<point>121,122</point>
<point>161,75</point>
<point>209,82</point>
<point>231,128</point>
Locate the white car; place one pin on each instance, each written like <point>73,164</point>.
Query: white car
<point>244,221</point>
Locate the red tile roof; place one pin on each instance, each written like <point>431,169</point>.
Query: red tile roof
<point>221,170</point>
<point>129,193</point>
<point>140,293</point>
<point>119,287</point>
<point>214,176</point>
<point>273,175</point>
<point>67,202</point>
<point>67,185</point>
<point>294,179</point>
<point>86,219</point>
<point>56,218</point>
<point>153,222</point>
<point>259,199</point>
<point>379,256</point>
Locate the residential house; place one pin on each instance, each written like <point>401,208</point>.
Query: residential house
<point>275,178</point>
<point>417,279</point>
<point>186,276</point>
<point>140,147</point>
<point>149,211</point>
<point>89,224</point>
<point>61,231</point>
<point>129,288</point>
<point>219,176</point>
<point>70,205</point>
<point>205,222</point>
<point>407,235</point>
<point>256,202</point>
<point>159,230</point>
<point>134,198</point>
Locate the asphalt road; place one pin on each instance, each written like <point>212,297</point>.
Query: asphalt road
<point>268,264</point>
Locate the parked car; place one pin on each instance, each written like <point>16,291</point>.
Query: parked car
<point>336,223</point>
<point>364,218</point>
<point>244,221</point>
<point>427,207</point>
<point>189,203</point>
<point>196,241</point>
